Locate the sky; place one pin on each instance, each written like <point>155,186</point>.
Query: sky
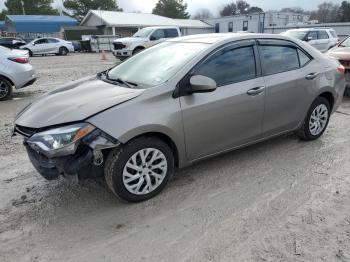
<point>146,6</point>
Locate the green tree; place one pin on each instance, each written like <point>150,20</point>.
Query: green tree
<point>30,7</point>
<point>3,13</point>
<point>344,11</point>
<point>81,7</point>
<point>171,8</point>
<point>238,7</point>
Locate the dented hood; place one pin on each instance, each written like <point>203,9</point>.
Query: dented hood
<point>74,102</point>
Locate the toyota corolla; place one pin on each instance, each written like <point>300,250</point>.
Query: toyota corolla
<point>179,102</point>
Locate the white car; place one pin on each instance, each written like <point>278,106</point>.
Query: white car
<point>322,39</point>
<point>144,38</point>
<point>15,71</point>
<point>48,45</point>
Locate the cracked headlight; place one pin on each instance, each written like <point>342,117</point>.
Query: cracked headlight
<point>60,140</point>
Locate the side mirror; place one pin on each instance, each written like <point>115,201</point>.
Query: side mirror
<point>152,38</point>
<point>202,84</point>
<point>33,43</point>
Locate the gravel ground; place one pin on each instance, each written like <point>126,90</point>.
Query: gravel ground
<point>281,200</point>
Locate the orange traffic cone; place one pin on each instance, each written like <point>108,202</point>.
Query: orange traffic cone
<point>103,55</point>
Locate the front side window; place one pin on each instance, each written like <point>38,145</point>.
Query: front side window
<point>158,34</point>
<point>278,59</point>
<point>229,66</point>
<point>41,41</point>
<point>312,35</point>
<point>158,64</point>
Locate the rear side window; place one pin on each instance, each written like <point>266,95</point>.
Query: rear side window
<point>322,35</point>
<point>230,66</point>
<point>52,40</point>
<point>333,33</point>
<point>169,33</point>
<point>303,58</point>
<point>278,59</point>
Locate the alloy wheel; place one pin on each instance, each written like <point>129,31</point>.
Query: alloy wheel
<point>145,171</point>
<point>4,89</point>
<point>318,119</point>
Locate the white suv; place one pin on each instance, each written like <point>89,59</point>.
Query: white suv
<point>144,38</point>
<point>322,39</point>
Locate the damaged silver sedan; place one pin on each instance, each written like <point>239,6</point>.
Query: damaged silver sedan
<point>179,102</point>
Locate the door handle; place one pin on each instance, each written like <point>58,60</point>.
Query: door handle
<point>256,90</point>
<point>311,76</point>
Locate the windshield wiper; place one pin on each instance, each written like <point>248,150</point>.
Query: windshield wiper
<point>120,80</point>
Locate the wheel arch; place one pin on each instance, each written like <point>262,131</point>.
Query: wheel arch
<point>165,138</point>
<point>329,96</point>
<point>8,79</point>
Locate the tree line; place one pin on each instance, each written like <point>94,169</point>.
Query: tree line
<point>326,12</point>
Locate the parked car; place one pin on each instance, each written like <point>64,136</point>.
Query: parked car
<point>177,103</point>
<point>15,71</point>
<point>321,38</point>
<point>12,42</point>
<point>145,38</point>
<point>341,52</point>
<point>49,45</point>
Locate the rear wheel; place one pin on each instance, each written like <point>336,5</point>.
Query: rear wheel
<point>316,121</point>
<point>63,51</point>
<point>140,169</point>
<point>5,88</point>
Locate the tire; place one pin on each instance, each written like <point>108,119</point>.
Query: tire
<point>5,88</point>
<point>137,50</point>
<point>316,121</point>
<point>63,51</point>
<point>117,173</point>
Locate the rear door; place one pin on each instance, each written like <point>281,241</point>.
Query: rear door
<point>231,115</point>
<point>290,75</point>
<point>52,45</point>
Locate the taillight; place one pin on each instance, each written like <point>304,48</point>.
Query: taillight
<point>341,69</point>
<point>21,60</point>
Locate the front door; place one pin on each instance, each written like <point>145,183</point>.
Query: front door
<point>231,115</point>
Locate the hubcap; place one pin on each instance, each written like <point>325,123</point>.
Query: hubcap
<point>318,120</point>
<point>145,171</point>
<point>4,89</point>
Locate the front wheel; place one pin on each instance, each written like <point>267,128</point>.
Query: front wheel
<point>316,120</point>
<point>140,169</point>
<point>5,89</point>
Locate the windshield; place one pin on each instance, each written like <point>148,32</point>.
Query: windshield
<point>143,33</point>
<point>346,42</point>
<point>296,34</point>
<point>156,65</point>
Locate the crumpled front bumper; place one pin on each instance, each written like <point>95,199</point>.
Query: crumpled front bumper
<point>86,162</point>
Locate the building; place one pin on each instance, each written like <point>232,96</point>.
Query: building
<point>256,22</point>
<point>30,27</point>
<point>72,33</point>
<point>126,24</point>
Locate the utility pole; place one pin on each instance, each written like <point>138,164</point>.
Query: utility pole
<point>23,11</point>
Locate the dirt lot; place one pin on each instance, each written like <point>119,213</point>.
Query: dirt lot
<point>282,200</point>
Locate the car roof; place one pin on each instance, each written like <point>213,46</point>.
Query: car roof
<point>223,37</point>
<point>162,27</point>
<point>310,29</point>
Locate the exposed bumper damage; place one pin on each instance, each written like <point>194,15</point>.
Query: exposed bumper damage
<point>87,160</point>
